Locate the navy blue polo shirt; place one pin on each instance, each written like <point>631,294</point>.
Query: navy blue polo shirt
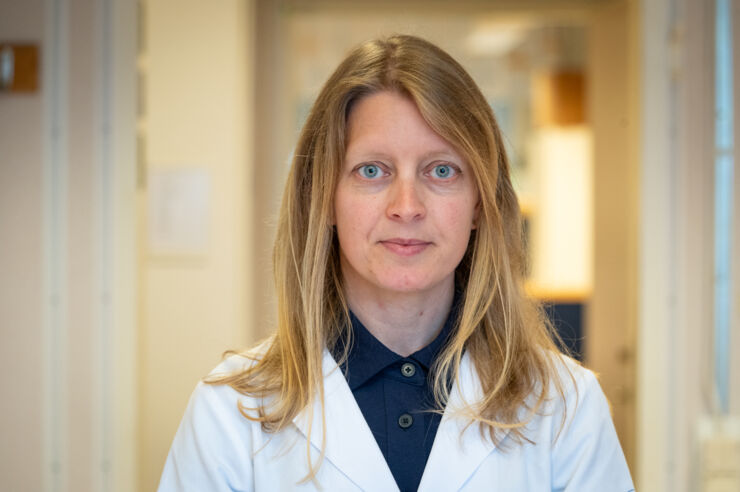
<point>395,395</point>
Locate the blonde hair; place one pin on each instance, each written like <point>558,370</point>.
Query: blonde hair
<point>505,333</point>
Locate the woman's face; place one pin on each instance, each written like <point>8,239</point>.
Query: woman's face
<point>405,201</point>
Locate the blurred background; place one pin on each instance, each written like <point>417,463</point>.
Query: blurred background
<point>143,150</point>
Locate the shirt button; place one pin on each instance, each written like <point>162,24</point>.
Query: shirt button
<point>405,421</point>
<point>408,369</point>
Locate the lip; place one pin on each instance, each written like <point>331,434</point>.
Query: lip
<point>405,246</point>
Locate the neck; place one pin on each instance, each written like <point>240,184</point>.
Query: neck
<point>403,322</point>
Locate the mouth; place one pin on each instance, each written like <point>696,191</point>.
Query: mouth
<point>404,246</point>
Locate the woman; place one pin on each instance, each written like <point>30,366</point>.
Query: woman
<point>406,354</point>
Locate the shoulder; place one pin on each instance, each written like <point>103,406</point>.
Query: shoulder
<point>215,442</point>
<point>584,444</point>
<point>574,398</point>
<point>211,444</point>
<point>216,405</point>
<point>570,382</point>
<point>231,365</point>
<point>239,362</point>
<point>216,392</point>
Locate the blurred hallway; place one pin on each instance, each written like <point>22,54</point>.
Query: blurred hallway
<point>140,183</point>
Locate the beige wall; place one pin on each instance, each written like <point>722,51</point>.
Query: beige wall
<point>195,306</point>
<point>66,354</point>
<point>21,168</point>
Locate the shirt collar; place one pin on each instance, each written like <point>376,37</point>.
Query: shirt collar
<point>368,356</point>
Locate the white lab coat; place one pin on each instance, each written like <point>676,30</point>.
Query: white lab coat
<point>217,449</point>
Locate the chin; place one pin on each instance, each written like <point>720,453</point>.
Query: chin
<point>408,284</point>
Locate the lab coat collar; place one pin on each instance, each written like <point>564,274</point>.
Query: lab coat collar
<point>350,446</point>
<point>459,448</point>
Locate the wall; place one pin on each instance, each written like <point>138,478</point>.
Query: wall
<point>21,308</point>
<point>66,197</point>
<point>193,306</point>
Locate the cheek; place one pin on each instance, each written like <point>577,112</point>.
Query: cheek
<point>342,206</point>
<point>354,222</point>
<point>458,214</point>
<point>456,222</point>
<point>355,212</point>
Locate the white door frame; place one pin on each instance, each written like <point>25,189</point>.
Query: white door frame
<point>675,335</point>
<point>113,99</point>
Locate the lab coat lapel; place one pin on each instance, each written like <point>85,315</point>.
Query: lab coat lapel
<point>456,454</point>
<point>350,445</point>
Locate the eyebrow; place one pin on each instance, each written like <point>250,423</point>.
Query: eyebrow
<point>442,153</point>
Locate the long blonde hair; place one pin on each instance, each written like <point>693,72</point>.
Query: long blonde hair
<point>504,332</point>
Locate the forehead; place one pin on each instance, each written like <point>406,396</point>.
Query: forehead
<point>390,121</point>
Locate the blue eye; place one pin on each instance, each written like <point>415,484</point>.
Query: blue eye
<point>443,171</point>
<point>370,171</point>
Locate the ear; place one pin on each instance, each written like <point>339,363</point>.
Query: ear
<point>476,214</point>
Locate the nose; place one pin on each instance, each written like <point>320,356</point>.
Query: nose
<point>405,203</point>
